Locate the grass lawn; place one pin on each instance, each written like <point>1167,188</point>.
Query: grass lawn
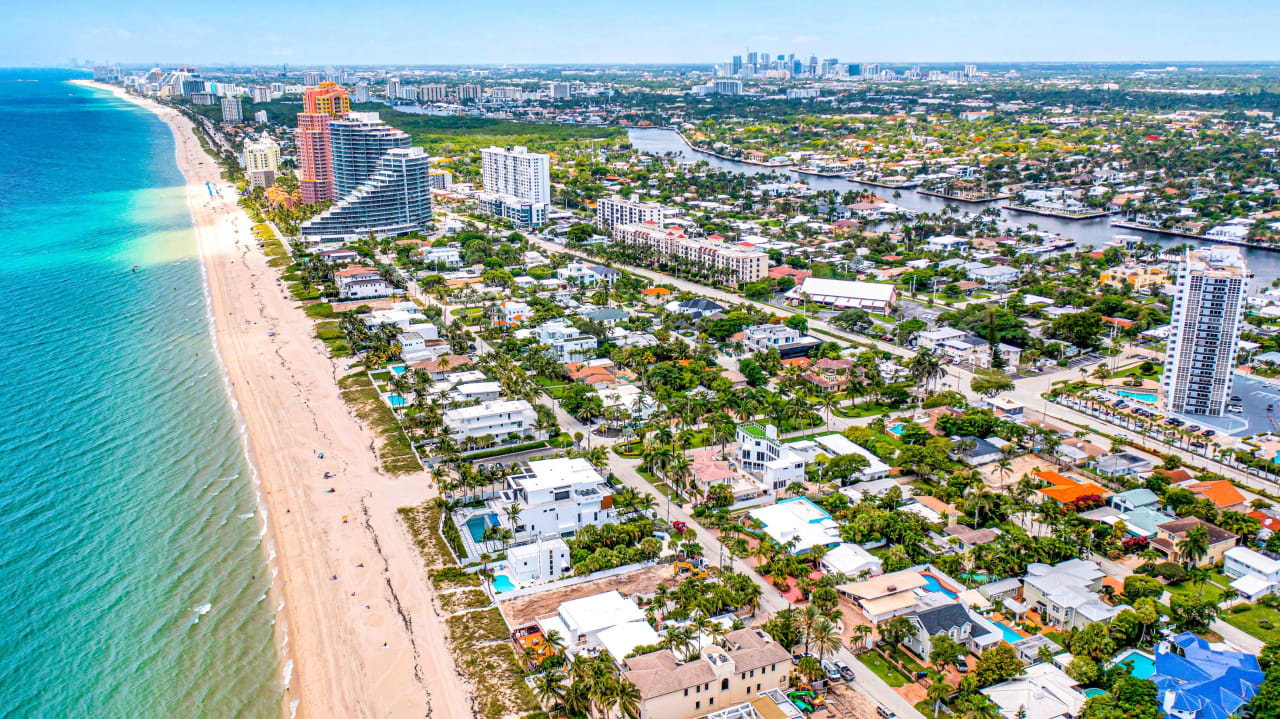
<point>905,659</point>
<point>1256,620</point>
<point>883,669</point>
<point>1193,589</point>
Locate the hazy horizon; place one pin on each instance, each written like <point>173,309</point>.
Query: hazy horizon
<point>498,33</point>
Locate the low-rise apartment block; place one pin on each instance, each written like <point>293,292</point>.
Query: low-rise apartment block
<point>745,264</point>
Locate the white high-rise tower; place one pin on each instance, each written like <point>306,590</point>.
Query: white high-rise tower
<point>516,172</point>
<point>1205,331</point>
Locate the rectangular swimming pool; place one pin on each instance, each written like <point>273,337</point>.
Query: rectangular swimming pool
<point>477,525</point>
<point>1010,635</point>
<point>1144,665</point>
<point>1147,397</point>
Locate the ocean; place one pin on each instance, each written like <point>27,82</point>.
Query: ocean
<point>133,577</point>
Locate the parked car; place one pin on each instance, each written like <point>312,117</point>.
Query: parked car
<point>884,712</point>
<point>833,674</point>
<point>845,672</point>
<point>679,526</point>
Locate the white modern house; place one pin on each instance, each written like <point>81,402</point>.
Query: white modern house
<point>557,497</point>
<point>787,341</point>
<point>600,621</point>
<point>1042,692</point>
<point>543,560</point>
<point>762,454</point>
<point>798,522</point>
<point>500,420</point>
<point>566,341</point>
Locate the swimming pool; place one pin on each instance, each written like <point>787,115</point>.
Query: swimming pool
<point>502,583</point>
<point>397,369</point>
<point>476,525</point>
<point>1010,635</point>
<point>396,400</point>
<point>1140,396</point>
<point>1144,665</point>
<point>897,429</point>
<point>1091,693</point>
<point>931,584</point>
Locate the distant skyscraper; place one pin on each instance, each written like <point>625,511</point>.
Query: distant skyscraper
<point>468,92</point>
<point>970,70</point>
<point>260,94</point>
<point>315,170</point>
<point>560,90</point>
<point>751,60</point>
<point>393,88</point>
<point>361,94</point>
<point>312,78</point>
<point>396,200</point>
<point>517,172</point>
<point>737,64</point>
<point>1205,331</point>
<point>432,93</point>
<point>357,143</point>
<point>232,110</point>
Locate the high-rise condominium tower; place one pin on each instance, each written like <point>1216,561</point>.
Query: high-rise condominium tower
<point>321,104</point>
<point>1205,331</point>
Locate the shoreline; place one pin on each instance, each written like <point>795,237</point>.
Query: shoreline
<point>347,580</point>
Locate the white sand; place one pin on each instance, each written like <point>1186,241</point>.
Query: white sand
<point>286,391</point>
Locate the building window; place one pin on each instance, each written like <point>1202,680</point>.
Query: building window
<point>724,684</point>
<point>686,692</point>
<point>697,705</point>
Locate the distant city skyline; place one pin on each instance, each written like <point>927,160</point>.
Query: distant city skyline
<point>500,32</point>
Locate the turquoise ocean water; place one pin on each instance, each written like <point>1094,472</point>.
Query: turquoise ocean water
<point>133,578</point>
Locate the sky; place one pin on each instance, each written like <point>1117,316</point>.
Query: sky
<point>430,32</point>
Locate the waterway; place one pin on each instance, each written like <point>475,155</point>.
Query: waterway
<point>1265,264</point>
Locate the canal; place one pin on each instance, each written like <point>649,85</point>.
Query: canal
<point>1265,264</point>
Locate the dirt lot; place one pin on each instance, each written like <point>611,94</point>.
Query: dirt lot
<point>846,702</point>
<point>1026,464</point>
<point>523,610</point>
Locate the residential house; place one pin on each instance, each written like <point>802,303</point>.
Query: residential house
<point>1140,498</point>
<point>750,663</point>
<point>499,420</point>
<point>975,451</point>
<point>952,619</point>
<point>1198,680</point>
<point>1169,537</point>
<point>1222,493</point>
<point>607,316</point>
<point>696,308</point>
<point>512,313</point>
<point>1066,594</point>
<point>787,341</point>
<point>361,282</point>
<point>1255,573</point>
<point>886,596</point>
<point>541,561</point>
<point>338,256</point>
<point>830,375</point>
<point>851,561</point>
<point>588,623</point>
<point>1122,464</point>
<point>1043,691</point>
<point>762,454</point>
<point>442,366</point>
<point>557,497</point>
<point>565,341</point>
<point>1067,490</point>
<point>797,524</point>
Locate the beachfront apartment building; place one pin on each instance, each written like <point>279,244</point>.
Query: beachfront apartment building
<point>746,264</point>
<point>396,200</point>
<point>557,497</point>
<point>1208,308</point>
<point>750,664</point>
<point>320,104</point>
<point>564,339</point>
<point>614,210</point>
<point>261,154</point>
<point>357,143</point>
<point>500,420</point>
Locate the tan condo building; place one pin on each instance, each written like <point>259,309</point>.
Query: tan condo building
<point>746,264</point>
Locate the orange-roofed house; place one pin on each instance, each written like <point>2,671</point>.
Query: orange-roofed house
<point>1222,493</point>
<point>1067,491</point>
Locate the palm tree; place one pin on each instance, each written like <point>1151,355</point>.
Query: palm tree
<point>826,637</point>
<point>937,691</point>
<point>549,688</point>
<point>513,516</point>
<point>554,641</point>
<point>626,698</point>
<point>1194,546</point>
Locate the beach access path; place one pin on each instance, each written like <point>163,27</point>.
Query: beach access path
<point>357,626</point>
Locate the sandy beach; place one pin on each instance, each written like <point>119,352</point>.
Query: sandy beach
<point>358,632</point>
